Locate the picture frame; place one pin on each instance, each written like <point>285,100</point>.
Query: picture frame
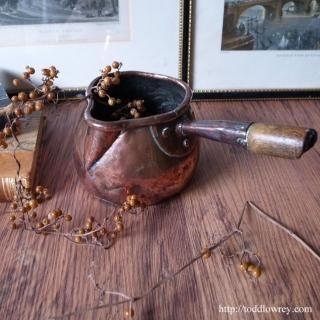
<point>80,42</point>
<point>217,72</point>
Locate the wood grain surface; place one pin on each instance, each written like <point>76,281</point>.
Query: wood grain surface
<point>43,276</point>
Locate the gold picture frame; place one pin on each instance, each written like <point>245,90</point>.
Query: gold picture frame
<point>297,83</point>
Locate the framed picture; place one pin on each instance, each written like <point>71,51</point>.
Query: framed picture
<point>253,48</point>
<point>80,37</point>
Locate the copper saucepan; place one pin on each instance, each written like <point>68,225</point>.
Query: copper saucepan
<point>155,156</point>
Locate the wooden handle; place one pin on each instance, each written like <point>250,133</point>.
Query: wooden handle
<point>280,141</point>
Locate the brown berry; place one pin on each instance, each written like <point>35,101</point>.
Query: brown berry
<point>133,202</point>
<point>119,226</point>
<point>126,206</point>
<point>33,203</point>
<point>113,235</point>
<point>133,111</point>
<point>102,93</point>
<point>14,99</point>
<point>129,313</point>
<point>30,70</point>
<point>117,218</point>
<point>39,189</point>
<point>39,105</point>
<point>3,144</point>
<point>25,76</point>
<point>51,96</point>
<point>27,110</point>
<point>53,73</point>
<point>206,253</point>
<point>244,266</point>
<point>12,218</point>
<point>107,81</point>
<point>51,215</point>
<point>14,205</point>
<point>107,69</point>
<point>30,104</point>
<point>7,131</point>
<point>115,64</point>
<point>47,195</point>
<point>89,226</point>
<point>68,217</point>
<point>77,239</point>
<point>58,213</point>
<point>18,112</point>
<point>111,102</point>
<point>103,86</point>
<point>46,72</point>
<point>33,95</point>
<point>15,82</point>
<point>45,89</point>
<point>254,270</point>
<point>140,105</point>
<point>39,225</point>
<point>22,96</point>
<point>26,208</point>
<point>90,219</point>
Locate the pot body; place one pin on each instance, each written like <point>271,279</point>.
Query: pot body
<point>152,161</point>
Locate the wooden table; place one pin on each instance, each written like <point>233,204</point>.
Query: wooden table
<point>43,276</point>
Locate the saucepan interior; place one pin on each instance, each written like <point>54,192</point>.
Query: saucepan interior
<point>166,99</point>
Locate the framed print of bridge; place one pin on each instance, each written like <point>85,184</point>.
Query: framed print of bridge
<point>253,48</point>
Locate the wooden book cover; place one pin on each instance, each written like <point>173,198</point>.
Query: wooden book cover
<point>29,133</point>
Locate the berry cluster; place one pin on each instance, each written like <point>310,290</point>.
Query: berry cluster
<point>90,232</point>
<point>110,76</point>
<point>251,268</point>
<point>25,202</point>
<point>121,110</point>
<point>5,133</point>
<point>105,233</point>
<point>24,103</point>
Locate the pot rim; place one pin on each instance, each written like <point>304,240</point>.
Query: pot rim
<point>141,122</point>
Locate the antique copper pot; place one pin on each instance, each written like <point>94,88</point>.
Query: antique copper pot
<point>156,156</point>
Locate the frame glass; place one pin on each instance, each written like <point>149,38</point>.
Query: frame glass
<point>80,37</point>
<point>253,48</point>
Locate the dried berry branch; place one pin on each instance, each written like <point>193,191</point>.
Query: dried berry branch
<point>120,108</point>
<point>246,263</point>
<point>26,200</point>
<point>91,232</point>
<point>250,267</point>
<point>290,232</point>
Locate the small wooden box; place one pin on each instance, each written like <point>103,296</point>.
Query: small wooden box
<point>29,135</point>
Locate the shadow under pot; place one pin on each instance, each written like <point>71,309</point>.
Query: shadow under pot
<point>155,156</point>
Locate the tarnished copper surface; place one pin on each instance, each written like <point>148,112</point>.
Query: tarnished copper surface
<point>139,168</point>
<point>114,158</point>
